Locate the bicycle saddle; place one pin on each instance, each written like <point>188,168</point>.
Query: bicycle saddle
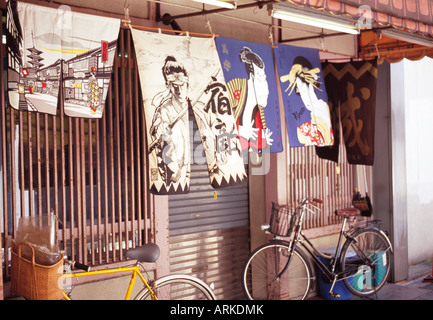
<point>146,253</point>
<point>347,212</point>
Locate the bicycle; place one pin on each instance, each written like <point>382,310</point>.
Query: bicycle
<point>280,269</point>
<point>171,287</point>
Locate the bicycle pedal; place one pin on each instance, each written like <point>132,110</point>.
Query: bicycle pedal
<point>335,295</point>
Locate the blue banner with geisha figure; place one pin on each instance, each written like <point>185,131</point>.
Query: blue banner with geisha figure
<point>250,76</point>
<point>304,95</point>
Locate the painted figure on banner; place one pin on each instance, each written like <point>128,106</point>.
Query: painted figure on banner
<point>169,126</point>
<point>249,72</point>
<point>78,47</point>
<point>305,101</point>
<point>191,80</point>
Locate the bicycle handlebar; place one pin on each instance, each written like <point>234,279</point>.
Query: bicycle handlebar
<point>318,201</point>
<point>81,266</point>
<point>78,265</point>
<point>312,200</point>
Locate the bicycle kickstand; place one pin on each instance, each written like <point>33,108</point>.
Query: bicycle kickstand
<point>331,293</point>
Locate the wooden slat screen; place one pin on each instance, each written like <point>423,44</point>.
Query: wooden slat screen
<point>90,172</point>
<point>334,183</point>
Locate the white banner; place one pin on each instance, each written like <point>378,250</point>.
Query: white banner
<point>49,41</point>
<point>179,73</point>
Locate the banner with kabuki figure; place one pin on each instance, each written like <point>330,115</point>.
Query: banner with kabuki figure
<point>304,95</point>
<point>179,73</point>
<point>50,45</point>
<point>250,75</point>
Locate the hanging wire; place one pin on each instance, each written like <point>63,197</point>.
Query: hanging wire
<point>232,17</point>
<point>187,33</point>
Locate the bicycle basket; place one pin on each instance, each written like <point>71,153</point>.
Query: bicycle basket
<point>282,220</point>
<point>32,280</point>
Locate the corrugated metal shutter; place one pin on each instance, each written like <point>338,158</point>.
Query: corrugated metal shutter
<point>209,236</point>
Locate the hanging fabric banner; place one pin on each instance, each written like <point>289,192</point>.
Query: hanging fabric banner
<point>332,88</point>
<point>305,102</point>
<point>250,75</point>
<point>178,73</point>
<point>50,41</point>
<point>352,87</point>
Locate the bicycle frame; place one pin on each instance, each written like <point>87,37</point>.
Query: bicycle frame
<point>134,269</point>
<point>299,237</point>
<point>361,257</point>
<point>328,271</point>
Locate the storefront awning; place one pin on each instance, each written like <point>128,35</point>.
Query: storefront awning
<point>412,20</point>
<point>411,15</point>
<point>374,44</point>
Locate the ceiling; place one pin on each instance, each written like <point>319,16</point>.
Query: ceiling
<point>250,21</point>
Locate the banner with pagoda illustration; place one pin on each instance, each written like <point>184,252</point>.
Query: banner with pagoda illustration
<point>250,75</point>
<point>50,45</point>
<point>304,95</point>
<point>178,74</point>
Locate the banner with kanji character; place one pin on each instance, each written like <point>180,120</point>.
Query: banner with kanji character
<point>250,75</point>
<point>46,44</point>
<point>178,73</point>
<point>304,95</point>
<point>351,90</point>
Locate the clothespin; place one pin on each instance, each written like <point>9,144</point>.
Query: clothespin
<point>126,21</point>
<point>377,50</point>
<point>322,43</point>
<point>271,36</point>
<point>208,25</point>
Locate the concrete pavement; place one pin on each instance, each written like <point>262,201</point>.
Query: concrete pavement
<point>412,289</point>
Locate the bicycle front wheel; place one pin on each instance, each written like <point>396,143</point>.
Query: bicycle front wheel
<point>260,277</point>
<point>366,261</point>
<point>178,287</point>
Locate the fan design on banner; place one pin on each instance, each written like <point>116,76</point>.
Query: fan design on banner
<point>250,75</point>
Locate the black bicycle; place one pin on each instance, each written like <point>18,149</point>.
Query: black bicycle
<point>280,270</point>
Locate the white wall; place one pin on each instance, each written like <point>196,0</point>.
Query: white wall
<point>418,109</point>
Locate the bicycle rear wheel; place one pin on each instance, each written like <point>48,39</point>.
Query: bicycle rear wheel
<point>366,258</point>
<point>178,287</point>
<point>259,277</point>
